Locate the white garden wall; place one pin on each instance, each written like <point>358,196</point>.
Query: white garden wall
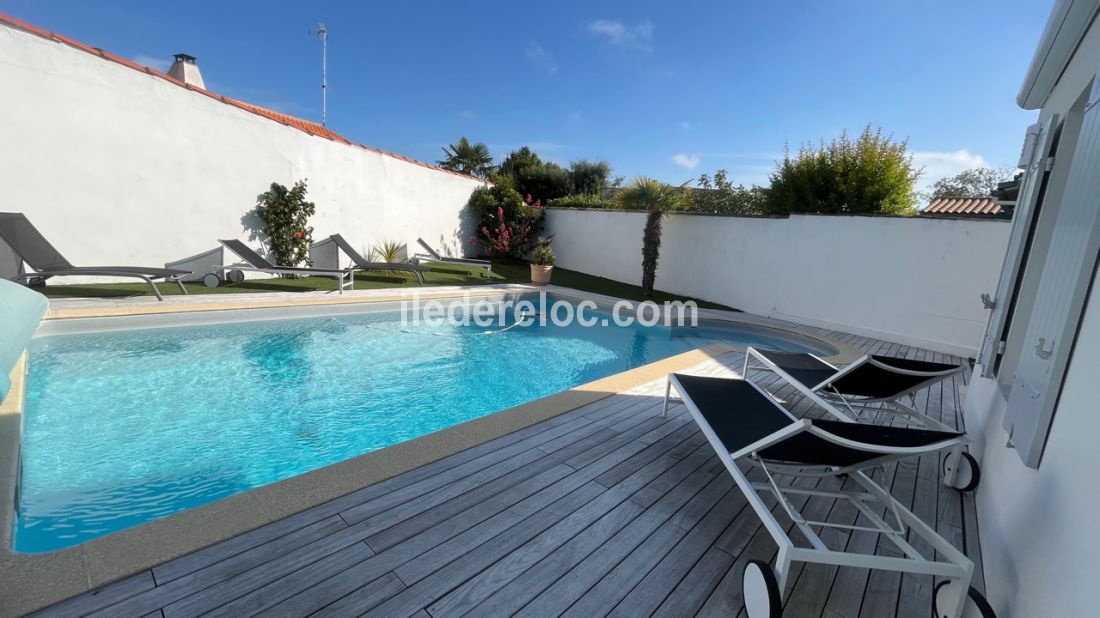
<point>909,280</point>
<point>116,166</point>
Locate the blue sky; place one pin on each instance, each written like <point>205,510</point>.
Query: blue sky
<point>663,89</point>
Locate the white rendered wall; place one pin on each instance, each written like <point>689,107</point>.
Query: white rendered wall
<point>1039,535</point>
<point>118,167</point>
<point>909,280</point>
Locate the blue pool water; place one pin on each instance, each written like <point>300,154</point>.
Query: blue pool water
<point>124,427</point>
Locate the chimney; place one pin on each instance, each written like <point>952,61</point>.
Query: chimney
<point>186,70</point>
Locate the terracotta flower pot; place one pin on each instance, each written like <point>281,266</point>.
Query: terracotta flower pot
<point>540,275</point>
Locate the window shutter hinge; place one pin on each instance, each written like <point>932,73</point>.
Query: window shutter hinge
<point>1000,347</point>
<point>1049,164</point>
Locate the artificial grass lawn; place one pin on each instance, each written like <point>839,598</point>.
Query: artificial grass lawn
<point>505,272</point>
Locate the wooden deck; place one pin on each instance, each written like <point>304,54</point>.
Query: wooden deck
<point>607,510</point>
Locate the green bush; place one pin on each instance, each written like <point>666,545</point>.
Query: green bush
<point>507,225</point>
<point>719,195</point>
<point>872,174</point>
<point>285,214</point>
<point>583,200</point>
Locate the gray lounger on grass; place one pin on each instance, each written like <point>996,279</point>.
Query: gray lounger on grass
<point>361,263</point>
<point>433,256</point>
<point>33,248</point>
<point>748,428</point>
<point>256,263</point>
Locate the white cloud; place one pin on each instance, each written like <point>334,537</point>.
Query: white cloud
<point>686,161</point>
<point>939,165</point>
<point>160,64</point>
<point>615,32</point>
<point>575,117</point>
<point>541,58</point>
<point>685,125</point>
<point>467,114</point>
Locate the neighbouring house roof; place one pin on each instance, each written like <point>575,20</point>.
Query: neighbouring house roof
<point>305,126</point>
<point>965,207</point>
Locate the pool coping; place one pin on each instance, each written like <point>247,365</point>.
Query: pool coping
<point>34,581</point>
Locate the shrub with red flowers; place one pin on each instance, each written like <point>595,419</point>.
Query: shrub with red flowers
<point>285,214</point>
<point>507,223</point>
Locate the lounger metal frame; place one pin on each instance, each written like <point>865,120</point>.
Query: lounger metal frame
<point>953,564</point>
<point>826,395</point>
<point>29,278</point>
<point>356,261</point>
<point>827,399</point>
<point>345,278</point>
<point>434,256</point>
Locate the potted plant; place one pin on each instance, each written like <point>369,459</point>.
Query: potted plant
<point>542,262</point>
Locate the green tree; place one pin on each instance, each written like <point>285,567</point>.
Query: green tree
<point>285,214</point>
<point>977,182</point>
<point>590,177</point>
<point>466,158</point>
<point>524,171</point>
<point>519,160</point>
<point>871,174</point>
<point>719,195</point>
<point>658,199</point>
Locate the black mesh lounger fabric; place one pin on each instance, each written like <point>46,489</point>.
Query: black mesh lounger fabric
<point>740,415</point>
<point>801,366</point>
<point>809,449</point>
<point>874,382</point>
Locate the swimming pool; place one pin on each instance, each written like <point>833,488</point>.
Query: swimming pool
<point>126,426</point>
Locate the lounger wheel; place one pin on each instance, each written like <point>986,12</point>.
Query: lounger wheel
<point>235,276</point>
<point>760,589</point>
<point>945,594</point>
<point>211,280</point>
<point>966,469</point>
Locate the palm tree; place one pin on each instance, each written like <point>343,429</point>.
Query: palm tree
<point>466,158</point>
<point>658,199</point>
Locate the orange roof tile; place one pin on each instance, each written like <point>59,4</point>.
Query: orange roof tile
<point>971,206</point>
<point>306,126</point>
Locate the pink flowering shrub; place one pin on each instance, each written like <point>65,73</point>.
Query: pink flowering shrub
<point>507,223</point>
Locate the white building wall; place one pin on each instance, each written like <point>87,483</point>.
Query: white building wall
<point>909,280</point>
<point>1039,536</point>
<point>115,166</point>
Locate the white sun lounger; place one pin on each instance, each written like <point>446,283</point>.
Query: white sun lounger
<point>748,427</point>
<point>870,385</point>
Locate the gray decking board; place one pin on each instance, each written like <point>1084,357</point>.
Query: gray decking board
<point>608,509</point>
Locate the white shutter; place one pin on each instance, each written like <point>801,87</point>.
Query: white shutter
<point>1036,162</point>
<point>1067,272</point>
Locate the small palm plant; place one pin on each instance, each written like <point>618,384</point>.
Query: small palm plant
<point>390,252</point>
<point>658,199</point>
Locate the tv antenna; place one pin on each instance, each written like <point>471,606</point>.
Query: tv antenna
<point>322,33</point>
